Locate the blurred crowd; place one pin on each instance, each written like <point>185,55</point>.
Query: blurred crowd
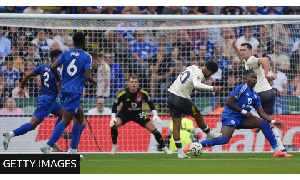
<point>156,56</point>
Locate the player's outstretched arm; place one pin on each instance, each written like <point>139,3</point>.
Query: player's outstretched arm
<point>263,115</point>
<point>232,105</point>
<point>88,77</point>
<point>24,81</point>
<point>199,85</point>
<point>233,41</point>
<point>54,67</point>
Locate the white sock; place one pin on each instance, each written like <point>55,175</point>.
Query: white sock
<point>209,134</point>
<point>164,148</point>
<point>180,151</point>
<point>279,143</point>
<point>276,150</point>
<point>11,134</point>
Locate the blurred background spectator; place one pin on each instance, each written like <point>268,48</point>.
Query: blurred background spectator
<point>11,108</point>
<point>280,84</point>
<point>33,10</point>
<point>100,108</point>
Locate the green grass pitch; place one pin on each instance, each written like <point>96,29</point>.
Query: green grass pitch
<point>225,163</point>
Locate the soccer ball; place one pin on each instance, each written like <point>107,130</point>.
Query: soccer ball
<point>196,149</point>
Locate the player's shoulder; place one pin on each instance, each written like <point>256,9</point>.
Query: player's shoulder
<point>144,92</point>
<point>122,93</point>
<point>242,87</point>
<point>252,58</point>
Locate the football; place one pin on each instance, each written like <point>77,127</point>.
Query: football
<point>196,149</point>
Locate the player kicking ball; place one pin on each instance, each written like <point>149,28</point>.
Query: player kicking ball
<point>46,103</point>
<point>180,103</point>
<point>236,115</point>
<point>132,99</point>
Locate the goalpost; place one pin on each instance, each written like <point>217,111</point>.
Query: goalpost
<point>169,43</point>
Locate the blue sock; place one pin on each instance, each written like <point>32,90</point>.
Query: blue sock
<point>267,131</point>
<point>23,129</point>
<point>75,136</point>
<point>57,132</point>
<point>57,121</point>
<point>81,130</point>
<point>213,142</point>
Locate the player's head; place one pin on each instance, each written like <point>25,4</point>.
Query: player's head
<point>250,78</point>
<point>246,50</point>
<point>54,55</point>
<point>79,40</point>
<point>133,83</point>
<point>211,67</point>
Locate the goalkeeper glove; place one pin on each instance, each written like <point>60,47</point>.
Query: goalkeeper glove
<point>155,117</point>
<point>113,120</point>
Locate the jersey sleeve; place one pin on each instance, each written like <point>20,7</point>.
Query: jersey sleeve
<point>37,70</point>
<point>61,58</point>
<point>252,62</point>
<point>199,85</point>
<point>118,100</point>
<point>148,99</point>
<point>88,62</point>
<point>237,92</point>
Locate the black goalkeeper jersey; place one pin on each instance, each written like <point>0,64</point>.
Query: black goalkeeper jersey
<point>132,102</point>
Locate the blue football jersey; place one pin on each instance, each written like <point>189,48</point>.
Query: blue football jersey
<point>48,81</point>
<point>245,99</point>
<point>74,64</point>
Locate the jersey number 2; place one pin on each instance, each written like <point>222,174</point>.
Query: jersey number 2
<point>72,69</point>
<point>184,76</point>
<point>46,79</point>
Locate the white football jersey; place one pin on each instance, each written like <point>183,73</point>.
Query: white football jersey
<point>185,82</point>
<point>262,83</point>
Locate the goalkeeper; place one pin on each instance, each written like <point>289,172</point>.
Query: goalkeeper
<point>132,99</point>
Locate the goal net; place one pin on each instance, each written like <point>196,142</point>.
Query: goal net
<point>157,49</point>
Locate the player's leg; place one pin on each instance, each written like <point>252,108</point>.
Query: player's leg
<point>114,133</point>
<point>267,99</point>
<point>177,105</point>
<point>76,130</point>
<point>226,131</point>
<point>23,129</point>
<point>204,127</point>
<point>146,123</point>
<point>255,122</point>
<point>71,102</point>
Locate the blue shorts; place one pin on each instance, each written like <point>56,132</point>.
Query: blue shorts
<point>43,110</point>
<point>70,101</point>
<point>235,121</point>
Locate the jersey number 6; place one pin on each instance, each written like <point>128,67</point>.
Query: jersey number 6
<point>72,67</point>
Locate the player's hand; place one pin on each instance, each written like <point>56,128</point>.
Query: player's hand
<point>112,122</point>
<point>271,78</point>
<point>248,114</point>
<point>233,38</point>
<point>157,119</point>
<point>21,93</point>
<point>217,88</point>
<point>58,85</point>
<point>279,125</point>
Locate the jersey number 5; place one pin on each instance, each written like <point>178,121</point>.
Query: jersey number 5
<point>184,76</point>
<point>72,69</point>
